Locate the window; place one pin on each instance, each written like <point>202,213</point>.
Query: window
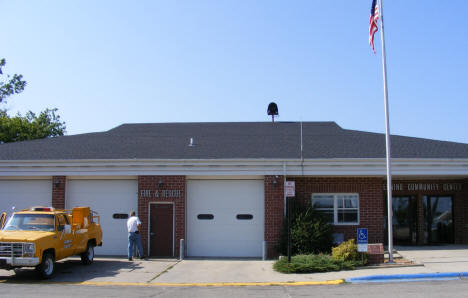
<point>120,215</point>
<point>30,222</point>
<point>340,209</point>
<point>62,221</point>
<point>205,216</point>
<point>244,216</point>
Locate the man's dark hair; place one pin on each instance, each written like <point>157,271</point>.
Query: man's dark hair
<point>132,213</point>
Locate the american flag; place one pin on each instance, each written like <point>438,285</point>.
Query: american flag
<point>374,17</point>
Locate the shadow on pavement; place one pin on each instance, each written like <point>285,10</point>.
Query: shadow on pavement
<point>72,270</point>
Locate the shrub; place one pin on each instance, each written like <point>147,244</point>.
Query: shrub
<point>306,264</point>
<point>296,208</point>
<point>313,263</point>
<point>347,251</point>
<point>310,231</point>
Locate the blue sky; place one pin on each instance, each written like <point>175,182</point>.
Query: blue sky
<point>104,63</point>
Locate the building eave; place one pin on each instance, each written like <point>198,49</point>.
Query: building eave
<point>193,167</point>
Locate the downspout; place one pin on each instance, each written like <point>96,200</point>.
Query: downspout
<point>302,153</point>
<point>284,193</point>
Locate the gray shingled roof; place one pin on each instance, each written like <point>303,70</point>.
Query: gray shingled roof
<point>261,140</point>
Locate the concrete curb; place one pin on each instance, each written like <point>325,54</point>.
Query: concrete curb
<point>386,265</point>
<point>409,277</point>
<point>215,284</point>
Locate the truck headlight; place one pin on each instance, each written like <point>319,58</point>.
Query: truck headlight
<point>29,249</point>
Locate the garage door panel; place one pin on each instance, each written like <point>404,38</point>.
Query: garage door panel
<point>23,194</point>
<point>107,197</point>
<point>225,234</point>
<point>236,249</point>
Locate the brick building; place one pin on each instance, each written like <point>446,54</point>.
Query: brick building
<point>220,186</point>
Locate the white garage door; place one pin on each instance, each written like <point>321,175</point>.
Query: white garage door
<point>23,194</point>
<point>225,218</point>
<point>107,197</point>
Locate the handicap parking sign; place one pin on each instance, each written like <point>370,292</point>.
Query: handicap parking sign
<point>362,239</point>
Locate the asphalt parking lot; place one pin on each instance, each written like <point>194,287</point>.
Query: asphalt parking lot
<point>115,271</point>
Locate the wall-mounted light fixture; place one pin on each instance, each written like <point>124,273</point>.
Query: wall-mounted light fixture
<point>160,183</point>
<point>56,182</point>
<point>275,182</point>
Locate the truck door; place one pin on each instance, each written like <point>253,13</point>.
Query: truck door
<point>65,247</point>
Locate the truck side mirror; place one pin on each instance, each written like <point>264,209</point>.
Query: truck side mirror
<point>67,229</point>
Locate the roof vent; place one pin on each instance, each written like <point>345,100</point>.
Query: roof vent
<point>191,144</point>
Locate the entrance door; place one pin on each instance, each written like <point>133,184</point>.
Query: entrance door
<point>161,230</point>
<point>404,220</point>
<point>438,226</point>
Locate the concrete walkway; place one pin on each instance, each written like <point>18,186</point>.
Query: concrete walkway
<point>444,258</point>
<point>453,258</point>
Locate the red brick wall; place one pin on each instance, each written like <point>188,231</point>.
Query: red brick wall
<point>371,201</point>
<point>169,183</point>
<point>58,191</point>
<point>274,206</point>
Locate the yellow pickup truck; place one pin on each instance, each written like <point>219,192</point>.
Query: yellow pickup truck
<point>39,236</point>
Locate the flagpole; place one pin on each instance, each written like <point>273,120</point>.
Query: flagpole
<point>387,139</point>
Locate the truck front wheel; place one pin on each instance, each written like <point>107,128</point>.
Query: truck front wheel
<point>88,256</point>
<point>47,267</point>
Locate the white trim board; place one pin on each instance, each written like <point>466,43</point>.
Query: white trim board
<point>236,167</point>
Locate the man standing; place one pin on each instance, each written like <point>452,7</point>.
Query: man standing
<point>133,226</point>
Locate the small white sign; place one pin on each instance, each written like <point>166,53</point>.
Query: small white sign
<point>362,247</point>
<point>290,188</point>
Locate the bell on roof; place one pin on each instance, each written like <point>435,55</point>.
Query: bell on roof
<point>272,110</point>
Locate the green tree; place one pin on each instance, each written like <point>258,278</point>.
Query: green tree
<point>12,85</point>
<point>30,126</point>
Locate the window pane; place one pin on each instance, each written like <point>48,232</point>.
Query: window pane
<point>328,214</point>
<point>347,216</point>
<point>120,215</point>
<point>205,216</point>
<point>244,216</point>
<point>321,201</point>
<point>351,202</point>
<point>347,201</point>
<point>61,220</point>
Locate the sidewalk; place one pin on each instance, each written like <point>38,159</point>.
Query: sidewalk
<point>428,260</point>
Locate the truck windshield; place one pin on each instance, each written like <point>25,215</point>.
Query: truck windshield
<point>31,222</point>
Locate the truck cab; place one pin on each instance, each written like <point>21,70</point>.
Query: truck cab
<point>39,236</point>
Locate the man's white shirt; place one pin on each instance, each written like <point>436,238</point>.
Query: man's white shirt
<point>132,224</point>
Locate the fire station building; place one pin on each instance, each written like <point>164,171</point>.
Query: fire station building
<point>220,186</point>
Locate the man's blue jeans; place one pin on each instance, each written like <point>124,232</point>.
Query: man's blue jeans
<point>133,239</point>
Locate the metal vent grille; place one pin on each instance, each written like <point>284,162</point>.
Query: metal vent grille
<point>11,249</point>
